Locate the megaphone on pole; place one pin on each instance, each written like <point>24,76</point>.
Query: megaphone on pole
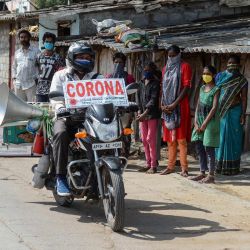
<point>13,109</point>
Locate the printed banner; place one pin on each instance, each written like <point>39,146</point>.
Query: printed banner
<point>99,91</point>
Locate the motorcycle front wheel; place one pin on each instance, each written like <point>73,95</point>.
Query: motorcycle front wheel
<point>113,202</point>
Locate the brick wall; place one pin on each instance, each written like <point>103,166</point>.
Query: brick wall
<point>4,52</point>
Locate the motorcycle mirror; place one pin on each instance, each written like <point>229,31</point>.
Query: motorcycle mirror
<point>132,88</point>
<point>56,96</point>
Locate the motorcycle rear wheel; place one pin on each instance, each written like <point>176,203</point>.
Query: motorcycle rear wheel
<point>114,205</point>
<point>63,201</point>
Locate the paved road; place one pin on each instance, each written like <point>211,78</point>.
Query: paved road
<point>162,212</point>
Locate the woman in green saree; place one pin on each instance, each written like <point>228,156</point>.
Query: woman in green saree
<point>232,109</point>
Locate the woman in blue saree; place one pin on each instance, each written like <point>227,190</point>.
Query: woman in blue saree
<point>232,109</point>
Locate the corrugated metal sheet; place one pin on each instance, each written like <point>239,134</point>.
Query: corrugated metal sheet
<point>222,50</point>
<point>164,44</point>
<point>235,3</point>
<point>222,36</point>
<point>189,45</point>
<point>14,16</point>
<point>108,43</point>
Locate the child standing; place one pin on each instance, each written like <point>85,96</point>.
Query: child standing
<point>206,126</point>
<point>149,114</point>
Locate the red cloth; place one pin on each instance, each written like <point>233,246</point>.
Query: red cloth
<point>130,78</point>
<point>184,131</point>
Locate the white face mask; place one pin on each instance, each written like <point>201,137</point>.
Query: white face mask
<point>174,60</point>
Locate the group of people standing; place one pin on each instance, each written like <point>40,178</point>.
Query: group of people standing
<point>218,123</point>
<point>163,99</point>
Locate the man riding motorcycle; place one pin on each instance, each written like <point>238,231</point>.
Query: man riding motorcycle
<point>80,63</point>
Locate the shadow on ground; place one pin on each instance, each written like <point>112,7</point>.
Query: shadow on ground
<point>242,179</point>
<point>145,219</point>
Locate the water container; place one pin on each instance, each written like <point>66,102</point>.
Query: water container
<point>40,171</point>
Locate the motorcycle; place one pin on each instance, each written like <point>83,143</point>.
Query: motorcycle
<point>95,162</point>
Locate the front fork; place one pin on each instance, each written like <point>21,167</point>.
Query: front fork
<point>112,163</point>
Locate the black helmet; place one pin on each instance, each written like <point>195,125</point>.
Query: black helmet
<point>80,48</point>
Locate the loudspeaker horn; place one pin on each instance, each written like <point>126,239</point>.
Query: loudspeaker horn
<point>13,109</point>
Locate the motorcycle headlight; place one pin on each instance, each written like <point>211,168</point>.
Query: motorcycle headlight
<point>106,132</point>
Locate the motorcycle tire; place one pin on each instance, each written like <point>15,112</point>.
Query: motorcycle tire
<point>63,201</point>
<point>114,204</point>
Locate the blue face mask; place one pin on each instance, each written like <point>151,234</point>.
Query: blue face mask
<point>84,65</point>
<point>148,75</point>
<point>83,62</point>
<point>49,46</point>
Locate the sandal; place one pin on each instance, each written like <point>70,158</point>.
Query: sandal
<point>151,171</point>
<point>184,173</point>
<point>197,177</point>
<point>167,171</point>
<point>208,180</point>
<point>143,169</point>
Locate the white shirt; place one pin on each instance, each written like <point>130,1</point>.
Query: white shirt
<point>25,69</point>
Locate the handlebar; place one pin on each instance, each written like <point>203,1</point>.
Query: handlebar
<point>133,107</point>
<point>67,112</point>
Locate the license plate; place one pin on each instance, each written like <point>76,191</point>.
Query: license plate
<point>110,145</point>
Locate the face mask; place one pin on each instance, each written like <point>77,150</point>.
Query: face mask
<point>48,46</point>
<point>118,70</point>
<point>233,67</point>
<point>207,78</point>
<point>148,75</point>
<point>83,62</point>
<point>84,65</point>
<point>174,60</point>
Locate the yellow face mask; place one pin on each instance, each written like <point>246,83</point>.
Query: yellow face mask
<point>207,78</point>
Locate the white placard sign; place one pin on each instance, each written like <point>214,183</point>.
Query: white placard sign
<point>99,91</point>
